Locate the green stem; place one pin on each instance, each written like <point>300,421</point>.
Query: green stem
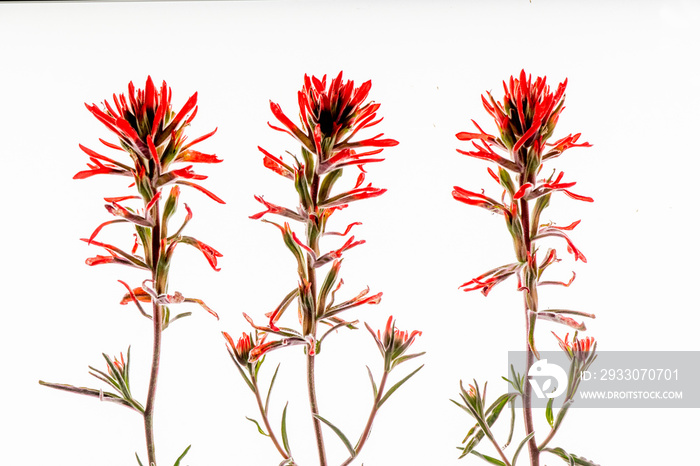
<point>310,363</point>
<point>157,334</point>
<point>312,239</point>
<point>531,288</point>
<point>370,420</point>
<point>266,421</point>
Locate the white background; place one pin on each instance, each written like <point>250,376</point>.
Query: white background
<point>633,80</point>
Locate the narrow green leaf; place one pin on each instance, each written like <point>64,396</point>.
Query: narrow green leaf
<point>577,460</point>
<point>240,370</point>
<point>532,319</point>
<point>327,183</point>
<point>258,365</point>
<point>460,405</point>
<point>493,412</point>
<point>398,361</point>
<point>269,391</point>
<point>541,204</point>
<point>371,379</point>
<point>561,453</point>
<point>488,459</point>
<point>396,386</point>
<point>123,387</point>
<point>180,316</point>
<point>177,463</point>
<point>561,414</point>
<point>285,440</point>
<point>548,412</point>
<point>336,327</point>
<point>260,429</point>
<point>520,447</point>
<point>512,423</point>
<point>340,435</point>
<point>138,459</point>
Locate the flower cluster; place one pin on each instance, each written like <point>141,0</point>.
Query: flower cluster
<point>394,343</point>
<point>526,119</point>
<point>330,115</point>
<point>152,135</point>
<point>330,118</point>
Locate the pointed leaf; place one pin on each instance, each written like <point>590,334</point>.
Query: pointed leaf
<point>285,440</point>
<point>177,463</point>
<point>269,391</point>
<point>240,370</point>
<point>340,435</point>
<point>520,447</point>
<point>577,460</point>
<point>396,386</point>
<point>371,379</point>
<point>548,412</point>
<point>488,459</point>
<point>260,429</point>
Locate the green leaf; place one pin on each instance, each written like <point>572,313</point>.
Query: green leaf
<point>398,361</point>
<point>532,319</point>
<point>512,423</point>
<point>488,459</point>
<point>371,379</point>
<point>520,447</point>
<point>396,386</point>
<point>138,459</point>
<point>506,181</point>
<point>123,386</point>
<point>260,429</point>
<point>240,370</point>
<point>479,429</point>
<point>340,435</point>
<point>548,412</point>
<point>285,440</point>
<point>561,414</point>
<point>572,459</point>
<point>327,183</point>
<point>541,204</point>
<point>177,463</point>
<point>269,391</point>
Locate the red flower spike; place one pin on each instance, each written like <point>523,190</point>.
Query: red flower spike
<point>576,346</point>
<point>240,349</point>
<point>394,343</point>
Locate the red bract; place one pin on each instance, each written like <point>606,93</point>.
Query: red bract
<point>393,343</point>
<point>525,118</point>
<point>240,349</point>
<point>331,116</point>
<point>152,134</point>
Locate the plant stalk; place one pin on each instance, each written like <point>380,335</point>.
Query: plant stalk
<point>527,395</point>
<point>266,421</point>
<point>370,419</point>
<point>313,403</point>
<point>157,334</point>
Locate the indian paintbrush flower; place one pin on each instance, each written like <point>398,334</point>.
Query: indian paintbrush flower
<point>152,136</point>
<point>330,117</point>
<point>525,118</point>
